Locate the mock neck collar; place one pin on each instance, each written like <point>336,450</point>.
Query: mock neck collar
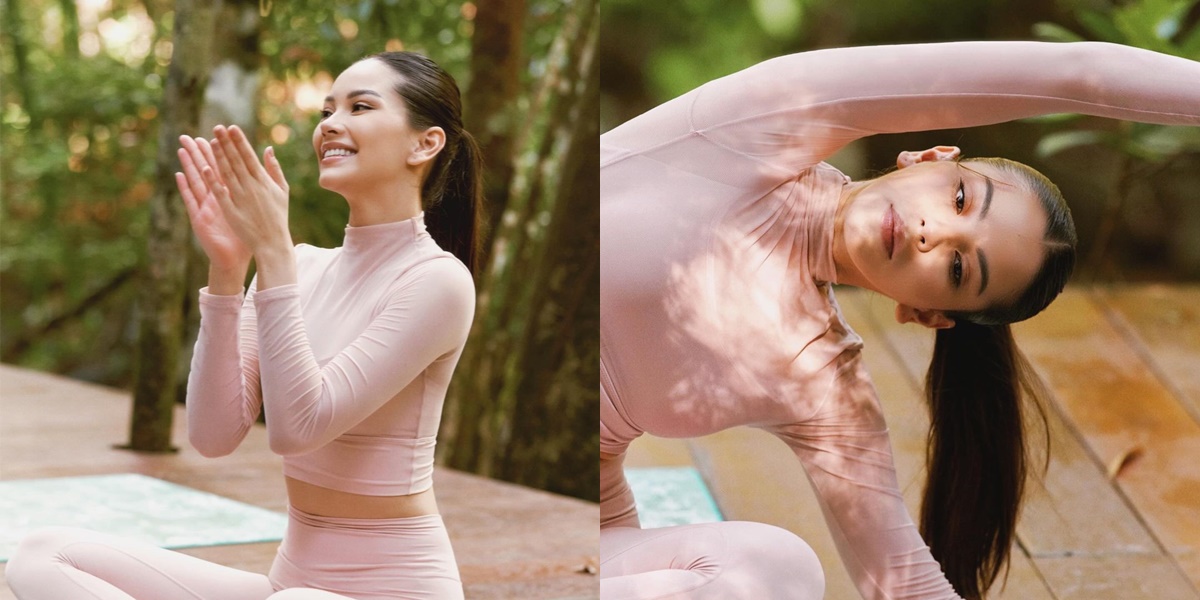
<point>395,235</point>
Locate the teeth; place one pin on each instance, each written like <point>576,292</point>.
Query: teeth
<point>338,152</point>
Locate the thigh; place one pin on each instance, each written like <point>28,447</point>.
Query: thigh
<point>708,561</point>
<point>57,563</point>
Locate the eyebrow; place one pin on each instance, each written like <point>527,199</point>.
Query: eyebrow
<point>376,94</point>
<point>979,255</point>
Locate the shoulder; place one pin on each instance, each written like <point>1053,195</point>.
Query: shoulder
<point>439,279</point>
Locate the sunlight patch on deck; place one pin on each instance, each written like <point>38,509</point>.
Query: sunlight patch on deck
<point>133,506</point>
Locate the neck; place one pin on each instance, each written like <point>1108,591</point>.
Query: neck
<point>847,272</point>
<point>377,206</point>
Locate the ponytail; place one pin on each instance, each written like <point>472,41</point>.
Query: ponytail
<point>977,451</point>
<point>452,195</point>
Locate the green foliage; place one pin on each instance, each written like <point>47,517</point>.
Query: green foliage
<point>77,167</point>
<point>1157,25</point>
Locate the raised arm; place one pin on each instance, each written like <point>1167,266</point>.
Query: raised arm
<point>791,112</point>
<point>224,397</point>
<point>847,455</point>
<point>425,319</point>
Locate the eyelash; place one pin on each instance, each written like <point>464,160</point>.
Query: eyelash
<point>326,112</point>
<point>960,200</point>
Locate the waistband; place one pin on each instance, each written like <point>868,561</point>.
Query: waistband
<point>397,525</point>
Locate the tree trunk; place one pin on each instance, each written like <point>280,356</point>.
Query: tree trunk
<point>163,281</point>
<point>555,431</point>
<point>70,37</point>
<point>496,60</point>
<point>477,422</point>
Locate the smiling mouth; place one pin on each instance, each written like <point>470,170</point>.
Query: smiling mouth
<point>336,153</point>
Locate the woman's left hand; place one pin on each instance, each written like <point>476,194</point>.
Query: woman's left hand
<point>253,198</point>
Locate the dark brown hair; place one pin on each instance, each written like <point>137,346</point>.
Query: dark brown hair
<point>452,193</point>
<point>977,453</point>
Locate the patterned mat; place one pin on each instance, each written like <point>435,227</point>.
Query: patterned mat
<point>671,496</point>
<point>133,506</point>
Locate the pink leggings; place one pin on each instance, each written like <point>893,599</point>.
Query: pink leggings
<point>321,558</point>
<point>734,559</point>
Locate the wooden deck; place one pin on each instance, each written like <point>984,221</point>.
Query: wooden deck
<point>510,541</point>
<point>1123,366</point>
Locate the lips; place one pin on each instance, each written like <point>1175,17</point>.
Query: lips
<point>887,231</point>
<point>891,231</point>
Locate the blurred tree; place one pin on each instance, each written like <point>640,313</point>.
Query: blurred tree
<point>491,102</point>
<point>555,380</point>
<point>500,381</point>
<point>163,282</point>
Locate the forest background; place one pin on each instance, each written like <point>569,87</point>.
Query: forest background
<point>1132,188</point>
<point>97,281</point>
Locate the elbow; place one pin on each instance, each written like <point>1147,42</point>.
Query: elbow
<point>288,444</point>
<point>210,448</point>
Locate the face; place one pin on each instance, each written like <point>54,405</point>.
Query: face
<point>936,236</point>
<point>364,141</point>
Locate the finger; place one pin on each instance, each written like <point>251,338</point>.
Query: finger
<point>191,172</point>
<point>220,192</point>
<point>274,169</point>
<point>233,157</point>
<point>185,192</point>
<point>245,152</point>
<point>206,150</point>
<point>228,174</point>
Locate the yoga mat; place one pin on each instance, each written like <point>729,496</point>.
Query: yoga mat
<point>132,506</point>
<point>668,496</point>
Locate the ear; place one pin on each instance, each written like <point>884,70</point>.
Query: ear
<point>426,146</point>
<point>909,158</point>
<point>933,319</point>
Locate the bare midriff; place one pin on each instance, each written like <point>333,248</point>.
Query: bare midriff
<point>325,502</point>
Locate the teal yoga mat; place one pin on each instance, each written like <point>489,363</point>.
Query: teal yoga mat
<point>132,506</point>
<point>671,496</point>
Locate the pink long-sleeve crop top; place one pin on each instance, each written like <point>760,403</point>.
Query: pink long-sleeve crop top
<point>717,224</point>
<point>351,363</point>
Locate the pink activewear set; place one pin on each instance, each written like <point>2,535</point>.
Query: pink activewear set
<point>351,365</point>
<point>717,225</point>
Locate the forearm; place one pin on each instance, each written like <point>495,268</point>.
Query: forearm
<point>222,400</point>
<point>617,505</point>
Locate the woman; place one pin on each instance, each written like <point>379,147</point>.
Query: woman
<point>721,232</point>
<point>348,351</point>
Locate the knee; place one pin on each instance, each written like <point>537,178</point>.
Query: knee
<point>783,558</point>
<point>37,551</point>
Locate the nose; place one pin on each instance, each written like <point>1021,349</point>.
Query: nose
<point>933,233</point>
<point>331,125</point>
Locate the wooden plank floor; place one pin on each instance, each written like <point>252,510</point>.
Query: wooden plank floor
<point>510,541</point>
<point>1123,370</point>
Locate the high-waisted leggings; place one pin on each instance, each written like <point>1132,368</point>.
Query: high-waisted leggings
<point>321,558</point>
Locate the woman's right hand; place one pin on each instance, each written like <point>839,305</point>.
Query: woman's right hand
<point>225,250</point>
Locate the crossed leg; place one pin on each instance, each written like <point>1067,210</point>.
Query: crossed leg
<point>58,562</point>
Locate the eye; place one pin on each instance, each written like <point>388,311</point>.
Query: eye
<point>325,112</point>
<point>360,106</point>
<point>956,270</point>
<point>960,198</point>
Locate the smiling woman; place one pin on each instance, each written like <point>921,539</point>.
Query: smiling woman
<point>722,233</point>
<point>348,351</point>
